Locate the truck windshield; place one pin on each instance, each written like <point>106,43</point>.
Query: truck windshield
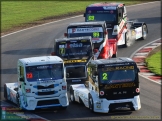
<point>116,76</point>
<point>95,32</point>
<point>108,16</point>
<point>41,72</point>
<point>74,49</point>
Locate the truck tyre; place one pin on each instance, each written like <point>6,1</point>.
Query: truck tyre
<point>90,101</point>
<point>72,98</point>
<point>115,55</point>
<point>5,92</point>
<point>18,101</point>
<point>144,32</point>
<point>126,40</point>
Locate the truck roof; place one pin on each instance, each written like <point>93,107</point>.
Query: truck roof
<point>113,61</point>
<point>74,38</point>
<point>102,4</point>
<point>41,60</point>
<point>87,23</point>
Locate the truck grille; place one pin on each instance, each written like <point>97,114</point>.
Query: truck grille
<point>46,93</point>
<point>45,87</point>
<point>48,102</point>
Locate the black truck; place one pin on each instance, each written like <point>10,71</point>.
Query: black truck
<point>76,53</point>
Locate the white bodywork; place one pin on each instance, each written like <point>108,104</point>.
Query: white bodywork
<point>120,30</point>
<point>100,105</point>
<point>29,101</point>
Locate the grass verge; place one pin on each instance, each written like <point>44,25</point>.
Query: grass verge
<point>18,13</point>
<point>154,63</point>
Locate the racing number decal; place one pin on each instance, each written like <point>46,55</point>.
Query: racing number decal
<point>61,49</point>
<point>96,34</point>
<point>29,75</point>
<point>104,76</point>
<point>90,18</point>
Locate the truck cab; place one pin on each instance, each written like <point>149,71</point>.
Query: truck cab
<point>41,84</point>
<point>117,23</point>
<point>76,52</point>
<point>103,47</point>
<point>113,83</point>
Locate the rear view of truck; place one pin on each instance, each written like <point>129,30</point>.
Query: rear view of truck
<point>41,84</point>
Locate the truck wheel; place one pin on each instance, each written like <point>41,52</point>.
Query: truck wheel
<point>5,92</point>
<point>116,48</point>
<point>90,101</point>
<point>72,98</point>
<point>114,55</point>
<point>18,101</point>
<point>126,40</point>
<point>144,32</point>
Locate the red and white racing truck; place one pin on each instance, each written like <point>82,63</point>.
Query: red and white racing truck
<point>103,47</point>
<point>117,24</point>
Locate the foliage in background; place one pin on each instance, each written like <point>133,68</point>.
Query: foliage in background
<point>16,13</point>
<point>154,63</point>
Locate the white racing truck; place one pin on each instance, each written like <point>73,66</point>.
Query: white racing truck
<point>41,84</point>
<point>113,84</point>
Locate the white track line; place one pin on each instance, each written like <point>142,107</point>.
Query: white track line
<point>143,47</point>
<point>65,19</point>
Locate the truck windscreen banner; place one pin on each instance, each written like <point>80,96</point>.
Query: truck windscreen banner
<point>78,50</point>
<point>95,32</point>
<point>117,74</point>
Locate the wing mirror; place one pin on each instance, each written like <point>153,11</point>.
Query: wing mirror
<point>65,34</point>
<point>119,14</point>
<point>21,79</point>
<point>53,53</point>
<point>84,15</point>
<point>138,69</point>
<point>95,73</point>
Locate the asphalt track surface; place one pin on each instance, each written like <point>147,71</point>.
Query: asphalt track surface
<point>39,41</point>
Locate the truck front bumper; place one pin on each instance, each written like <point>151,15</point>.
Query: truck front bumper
<point>104,105</point>
<point>31,103</point>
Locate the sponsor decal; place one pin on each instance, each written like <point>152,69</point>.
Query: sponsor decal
<point>75,61</point>
<point>109,8</point>
<point>85,30</point>
<point>73,45</point>
<point>123,85</point>
<point>133,32</point>
<point>46,90</point>
<point>76,80</point>
<point>45,82</point>
<point>122,92</point>
<point>118,68</point>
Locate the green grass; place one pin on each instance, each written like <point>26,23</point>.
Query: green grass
<point>20,12</point>
<point>154,63</point>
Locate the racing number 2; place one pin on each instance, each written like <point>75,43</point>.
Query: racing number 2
<point>104,76</point>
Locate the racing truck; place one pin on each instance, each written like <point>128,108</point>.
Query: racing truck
<point>113,84</point>
<point>103,46</point>
<point>117,23</point>
<point>76,52</point>
<point>41,84</point>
